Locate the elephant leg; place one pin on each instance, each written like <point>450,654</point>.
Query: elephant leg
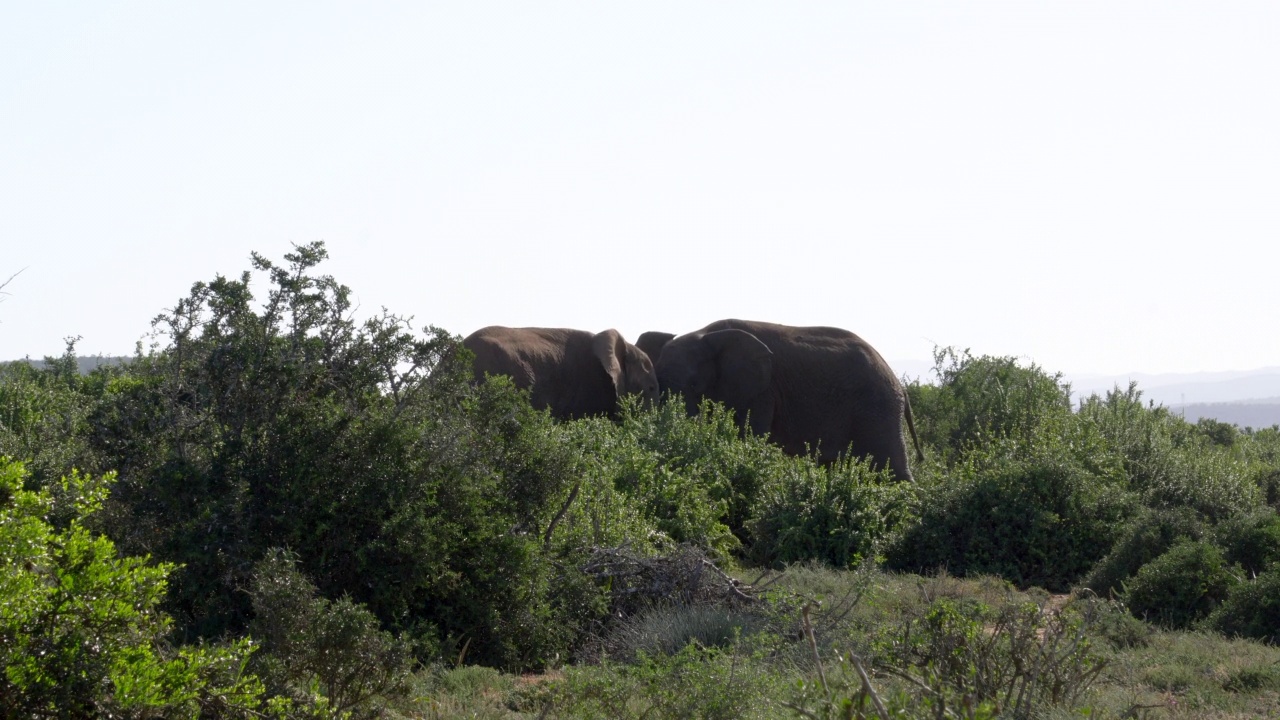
<point>884,447</point>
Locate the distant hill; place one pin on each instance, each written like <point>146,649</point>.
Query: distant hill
<point>1256,414</point>
<point>1187,389</point>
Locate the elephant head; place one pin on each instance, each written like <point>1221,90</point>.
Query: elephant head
<point>572,373</point>
<point>628,366</point>
<point>730,366</point>
<point>652,343</point>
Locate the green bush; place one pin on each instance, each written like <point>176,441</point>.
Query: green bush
<point>1013,655</point>
<point>362,447</point>
<point>1251,609</point>
<point>1208,479</point>
<point>1268,481</point>
<point>1181,586</point>
<point>662,475</point>
<point>43,416</point>
<point>1142,538</point>
<point>839,514</point>
<point>1170,461</point>
<point>674,496</point>
<point>81,634</point>
<point>983,399</point>
<point>1033,516</point>
<point>1250,540</point>
<point>319,651</point>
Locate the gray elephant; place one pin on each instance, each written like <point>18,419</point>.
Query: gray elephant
<point>652,342</point>
<point>573,372</point>
<point>806,387</point>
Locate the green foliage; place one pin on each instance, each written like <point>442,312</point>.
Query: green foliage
<point>839,514</point>
<point>1251,609</point>
<point>315,649</point>
<point>80,630</point>
<point>1250,540</point>
<point>979,400</point>
<point>1142,539</point>
<point>43,415</point>
<point>975,660</point>
<point>695,478</point>
<point>1268,481</point>
<point>1217,433</point>
<point>1036,516</point>
<point>1173,463</point>
<point>692,683</point>
<point>362,447</point>
<point>1181,586</point>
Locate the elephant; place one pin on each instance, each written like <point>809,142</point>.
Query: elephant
<point>807,388</point>
<point>574,373</point>
<point>651,343</point>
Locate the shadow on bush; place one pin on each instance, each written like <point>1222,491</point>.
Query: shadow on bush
<point>1044,520</point>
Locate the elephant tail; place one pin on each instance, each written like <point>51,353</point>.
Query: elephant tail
<point>911,425</point>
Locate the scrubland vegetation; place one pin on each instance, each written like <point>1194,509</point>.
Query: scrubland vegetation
<point>274,511</point>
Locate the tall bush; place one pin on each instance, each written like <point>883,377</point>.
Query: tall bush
<point>1181,586</point>
<point>841,514</point>
<point>978,400</point>
<point>81,631</point>
<point>362,447</point>
<point>1035,517</point>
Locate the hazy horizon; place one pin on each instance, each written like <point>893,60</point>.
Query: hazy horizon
<point>1090,186</point>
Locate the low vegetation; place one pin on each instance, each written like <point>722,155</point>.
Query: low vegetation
<point>276,511</point>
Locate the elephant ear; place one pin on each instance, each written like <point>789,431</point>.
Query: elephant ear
<point>744,363</point>
<point>609,348</point>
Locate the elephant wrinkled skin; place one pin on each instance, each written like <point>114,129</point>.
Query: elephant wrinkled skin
<point>575,373</point>
<point>805,387</point>
<point>652,343</point>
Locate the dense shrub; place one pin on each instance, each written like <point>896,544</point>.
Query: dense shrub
<point>1173,463</point>
<point>1140,540</point>
<point>1250,540</point>
<point>1251,609</point>
<point>1209,480</point>
<point>978,400</point>
<point>840,515</point>
<point>43,416</point>
<point>674,470</point>
<point>1181,586</point>
<point>660,476</point>
<point>1268,481</point>
<point>81,634</point>
<point>315,651</point>
<point>361,447</point>
<point>1040,519</point>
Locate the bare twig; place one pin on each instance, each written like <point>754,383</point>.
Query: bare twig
<point>813,646</point>
<point>799,709</point>
<point>573,495</point>
<point>881,710</point>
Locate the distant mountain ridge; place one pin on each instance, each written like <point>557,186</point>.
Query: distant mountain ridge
<point>1256,414</point>
<point>1187,388</point>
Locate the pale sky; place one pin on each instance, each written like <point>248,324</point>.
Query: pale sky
<point>1094,186</point>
